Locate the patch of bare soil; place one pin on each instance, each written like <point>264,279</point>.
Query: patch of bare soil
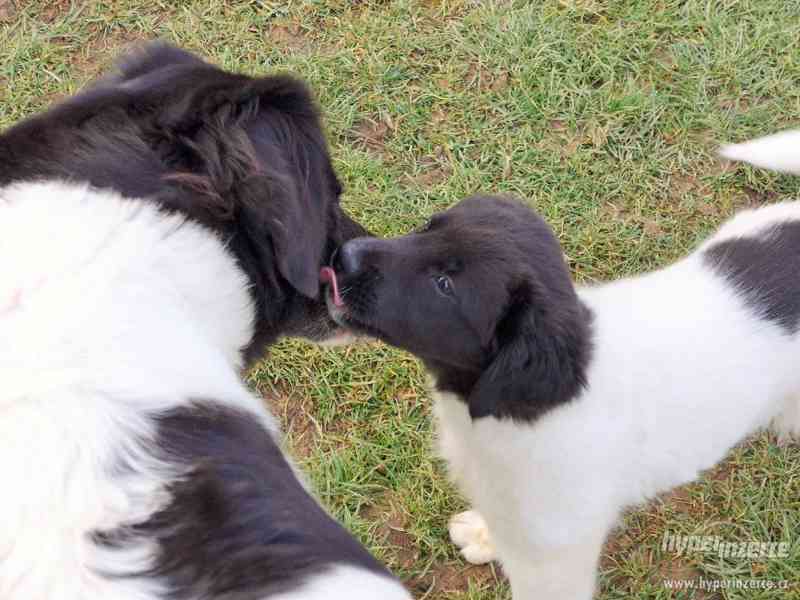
<point>683,185</point>
<point>96,58</point>
<point>450,578</point>
<point>57,9</point>
<point>290,36</point>
<point>736,104</point>
<point>651,228</point>
<point>293,37</point>
<point>563,140</point>
<point>8,11</point>
<point>665,58</point>
<point>392,530</point>
<point>433,170</point>
<point>681,571</point>
<point>372,134</point>
<point>626,545</point>
<point>485,80</point>
<point>297,421</point>
<point>99,55</point>
<point>752,198</point>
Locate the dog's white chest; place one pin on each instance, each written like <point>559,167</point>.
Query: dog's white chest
<point>481,451</point>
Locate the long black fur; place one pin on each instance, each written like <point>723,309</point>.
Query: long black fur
<point>238,526</point>
<point>244,156</point>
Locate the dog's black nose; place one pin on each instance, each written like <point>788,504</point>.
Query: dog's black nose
<point>349,257</point>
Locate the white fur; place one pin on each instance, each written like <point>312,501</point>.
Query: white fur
<point>347,583</point>
<point>109,310</point>
<point>681,371</point>
<point>471,534</point>
<point>780,152</point>
<point>113,311</point>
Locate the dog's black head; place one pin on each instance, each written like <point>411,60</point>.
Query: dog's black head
<point>482,295</point>
<point>244,156</point>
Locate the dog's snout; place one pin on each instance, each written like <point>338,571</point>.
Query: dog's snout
<point>349,258</point>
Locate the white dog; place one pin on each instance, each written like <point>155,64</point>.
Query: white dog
<point>558,407</point>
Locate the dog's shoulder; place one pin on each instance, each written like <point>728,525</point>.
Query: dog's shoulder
<point>116,270</point>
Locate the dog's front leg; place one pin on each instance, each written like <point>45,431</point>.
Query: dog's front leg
<point>564,573</point>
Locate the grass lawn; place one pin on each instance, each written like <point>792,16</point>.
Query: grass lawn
<point>603,114</point>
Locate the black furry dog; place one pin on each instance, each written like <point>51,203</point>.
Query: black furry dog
<point>156,232</point>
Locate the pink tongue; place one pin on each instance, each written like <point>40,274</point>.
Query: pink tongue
<point>328,275</point>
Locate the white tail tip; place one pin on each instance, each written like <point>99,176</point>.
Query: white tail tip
<point>778,152</point>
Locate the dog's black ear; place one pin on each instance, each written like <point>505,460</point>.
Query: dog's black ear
<point>302,190</point>
<point>254,154</point>
<point>274,214</point>
<point>542,347</point>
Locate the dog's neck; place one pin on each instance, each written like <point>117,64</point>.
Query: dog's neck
<point>454,380</point>
<point>93,277</point>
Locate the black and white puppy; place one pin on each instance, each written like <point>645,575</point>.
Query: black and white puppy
<point>557,407</point>
<point>156,231</point>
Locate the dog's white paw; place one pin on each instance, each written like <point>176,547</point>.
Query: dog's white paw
<point>470,533</point>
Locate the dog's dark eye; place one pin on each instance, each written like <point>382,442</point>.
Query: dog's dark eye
<point>444,285</point>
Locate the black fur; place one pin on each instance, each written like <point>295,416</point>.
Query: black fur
<point>765,270</point>
<point>513,339</point>
<point>239,525</point>
<point>244,156</point>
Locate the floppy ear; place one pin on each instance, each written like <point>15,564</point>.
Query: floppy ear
<point>297,240</point>
<point>301,189</point>
<point>542,351</point>
<point>254,151</point>
<point>298,252</point>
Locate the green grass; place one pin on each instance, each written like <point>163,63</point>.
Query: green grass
<point>603,114</point>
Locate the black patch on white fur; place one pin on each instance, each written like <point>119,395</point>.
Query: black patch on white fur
<point>240,526</point>
<point>765,270</point>
<point>246,157</point>
<point>513,339</point>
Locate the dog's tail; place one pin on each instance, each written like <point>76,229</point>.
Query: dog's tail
<point>779,152</point>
